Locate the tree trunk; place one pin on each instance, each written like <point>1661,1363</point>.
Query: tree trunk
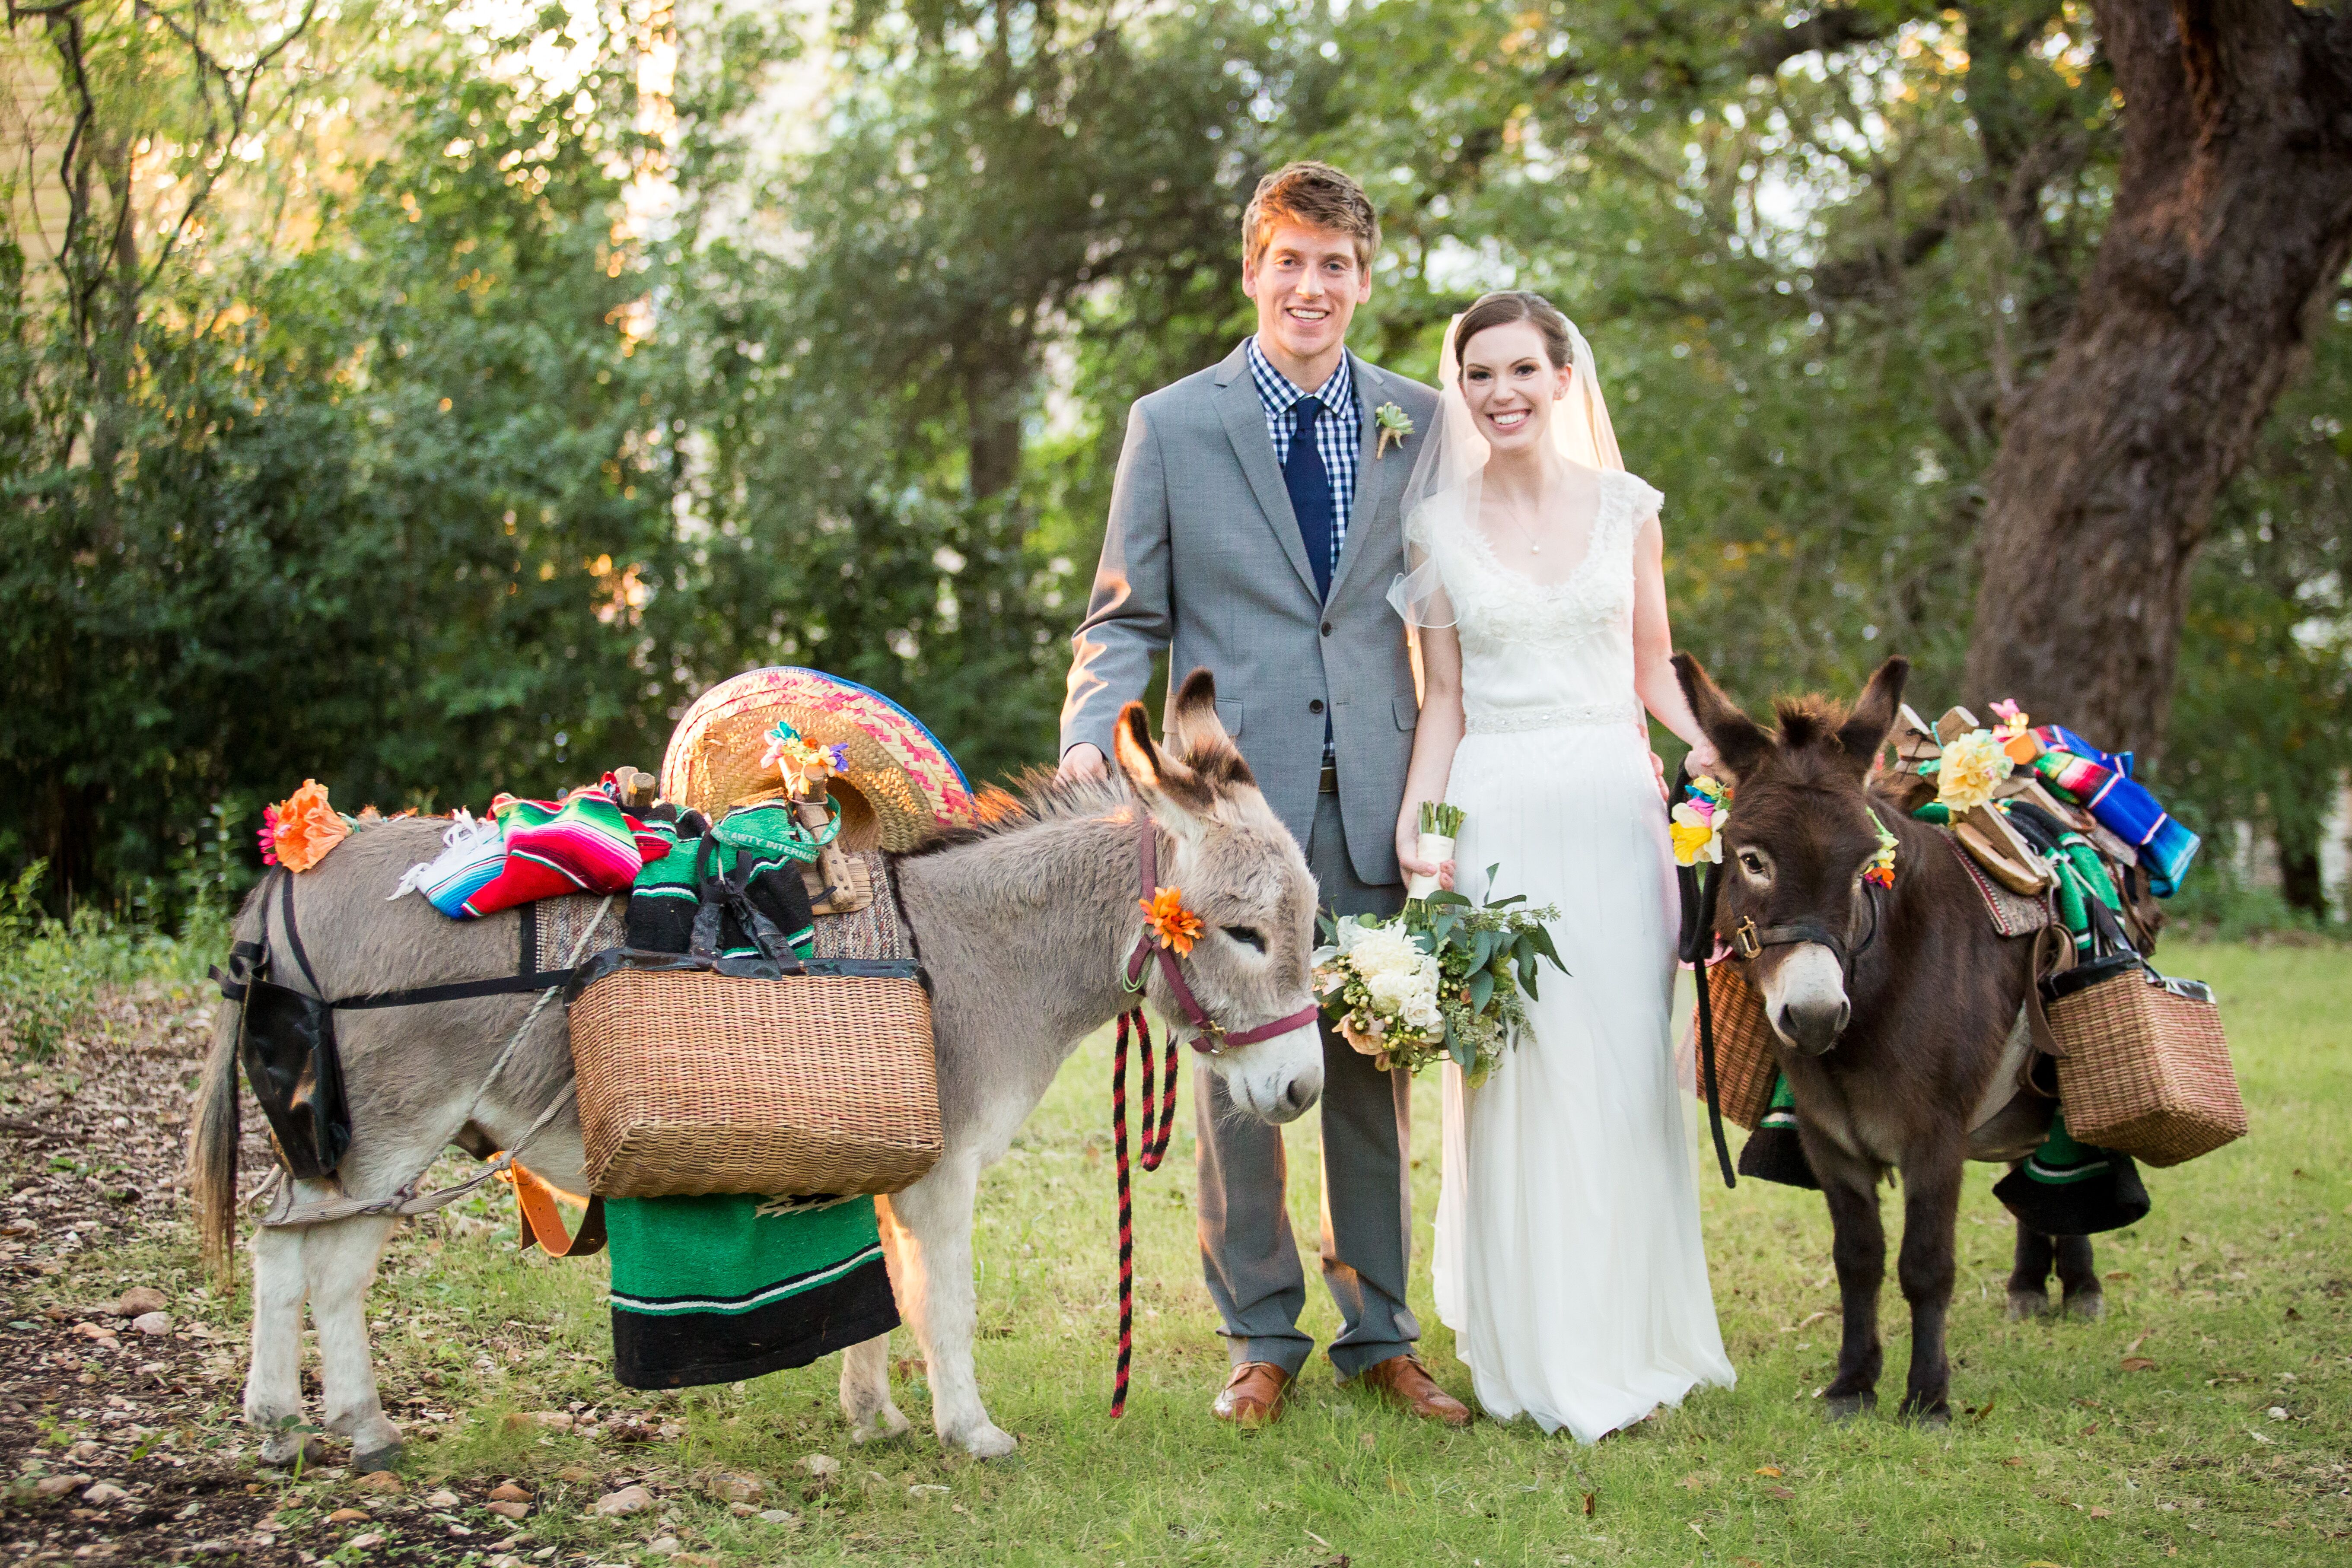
<point>2299,875</point>
<point>993,392</point>
<point>2232,218</point>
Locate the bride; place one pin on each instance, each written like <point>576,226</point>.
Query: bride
<point>1568,1259</point>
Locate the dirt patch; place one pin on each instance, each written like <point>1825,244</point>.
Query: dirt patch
<point>119,1435</point>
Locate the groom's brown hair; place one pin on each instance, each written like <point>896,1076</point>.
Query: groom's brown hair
<point>1315,195</point>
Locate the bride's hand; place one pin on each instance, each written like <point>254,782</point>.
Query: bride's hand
<point>1658,768</point>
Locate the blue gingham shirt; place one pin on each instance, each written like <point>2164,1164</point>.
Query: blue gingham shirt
<point>1338,434</point>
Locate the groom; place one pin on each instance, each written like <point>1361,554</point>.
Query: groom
<point>1254,531</point>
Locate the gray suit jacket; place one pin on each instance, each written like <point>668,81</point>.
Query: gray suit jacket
<point>1202,556</point>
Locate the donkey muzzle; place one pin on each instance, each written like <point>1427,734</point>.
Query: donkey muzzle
<point>1805,999</point>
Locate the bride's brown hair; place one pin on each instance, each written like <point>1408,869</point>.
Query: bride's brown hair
<point>1507,305</point>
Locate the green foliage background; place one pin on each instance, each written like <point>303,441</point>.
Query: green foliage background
<point>493,409</point>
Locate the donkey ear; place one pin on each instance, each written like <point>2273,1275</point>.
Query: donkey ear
<point>1200,736</point>
<point>1739,739</point>
<point>1866,729</point>
<point>1173,792</point>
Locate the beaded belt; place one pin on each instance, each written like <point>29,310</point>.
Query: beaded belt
<point>1576,713</point>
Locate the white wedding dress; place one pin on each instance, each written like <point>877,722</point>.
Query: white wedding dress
<point>1568,1259</point>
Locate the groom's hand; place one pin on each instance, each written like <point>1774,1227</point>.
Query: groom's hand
<point>1082,762</point>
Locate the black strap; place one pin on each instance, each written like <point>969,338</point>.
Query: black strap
<point>1697,947</point>
<point>527,939</point>
<point>293,936</point>
<point>461,990</point>
<point>244,959</point>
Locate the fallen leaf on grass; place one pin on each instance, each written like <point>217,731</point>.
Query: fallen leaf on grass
<point>1588,1498</point>
<point>2138,1363</point>
<point>2099,1513</point>
<point>2133,1348</point>
<point>1982,1411</point>
<point>1695,1481</point>
<point>1773,1470</point>
<point>1781,1493</point>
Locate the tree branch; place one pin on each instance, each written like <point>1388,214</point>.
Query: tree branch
<point>1826,30</point>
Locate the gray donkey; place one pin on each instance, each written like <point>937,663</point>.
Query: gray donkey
<point>1024,926</point>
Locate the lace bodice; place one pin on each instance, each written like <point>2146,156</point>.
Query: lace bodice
<point>1536,654</point>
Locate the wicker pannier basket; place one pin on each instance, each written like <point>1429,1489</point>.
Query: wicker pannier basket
<point>1744,1063</point>
<point>2143,1066</point>
<point>743,1075</point>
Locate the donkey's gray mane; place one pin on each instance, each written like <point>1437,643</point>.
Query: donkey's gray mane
<point>1037,796</point>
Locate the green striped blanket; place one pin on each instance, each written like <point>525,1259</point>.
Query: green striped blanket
<point>718,1289</point>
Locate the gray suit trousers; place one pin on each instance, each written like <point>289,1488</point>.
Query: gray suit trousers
<point>1248,1250</point>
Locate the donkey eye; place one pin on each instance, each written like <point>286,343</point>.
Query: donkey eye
<point>1248,936</point>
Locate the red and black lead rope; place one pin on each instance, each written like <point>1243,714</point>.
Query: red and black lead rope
<point>1155,1149</point>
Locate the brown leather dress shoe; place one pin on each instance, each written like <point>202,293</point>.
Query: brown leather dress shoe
<point>1403,1380</point>
<point>1254,1395</point>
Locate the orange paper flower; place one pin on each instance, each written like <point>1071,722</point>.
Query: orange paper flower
<point>307,827</point>
<point>1175,925</point>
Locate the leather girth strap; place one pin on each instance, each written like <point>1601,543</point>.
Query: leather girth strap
<point>543,1216</point>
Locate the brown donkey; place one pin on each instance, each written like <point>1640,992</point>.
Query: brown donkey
<point>1896,1011</point>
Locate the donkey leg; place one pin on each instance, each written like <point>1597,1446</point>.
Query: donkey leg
<point>339,1261</point>
<point>2029,1274</point>
<point>2084,1299</point>
<point>1926,1268</point>
<point>1859,1250</point>
<point>273,1383</point>
<point>936,1294</point>
<point>865,1392</point>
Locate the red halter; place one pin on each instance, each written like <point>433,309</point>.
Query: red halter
<point>1212,1038</point>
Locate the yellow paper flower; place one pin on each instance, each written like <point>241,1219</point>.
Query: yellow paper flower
<point>1973,767</point>
<point>1698,832</point>
<point>307,828</point>
<point>1175,925</point>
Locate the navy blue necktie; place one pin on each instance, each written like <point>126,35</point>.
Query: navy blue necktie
<point>1309,484</point>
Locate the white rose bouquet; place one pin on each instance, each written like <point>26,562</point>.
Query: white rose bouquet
<point>1446,978</point>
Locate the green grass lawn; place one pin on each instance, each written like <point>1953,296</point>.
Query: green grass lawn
<point>2231,1450</point>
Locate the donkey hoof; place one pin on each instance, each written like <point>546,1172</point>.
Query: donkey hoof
<point>884,1423</point>
<point>988,1442</point>
<point>2025,1304</point>
<point>1936,1418</point>
<point>374,1460</point>
<point>1846,1407</point>
<point>2089,1306</point>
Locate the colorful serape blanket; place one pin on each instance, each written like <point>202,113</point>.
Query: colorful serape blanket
<point>2101,782</point>
<point>526,850</point>
<point>718,1288</point>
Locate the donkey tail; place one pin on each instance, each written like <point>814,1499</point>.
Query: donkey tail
<point>212,1148</point>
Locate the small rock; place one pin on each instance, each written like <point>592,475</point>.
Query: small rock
<point>506,1510</point>
<point>86,1452</point>
<point>364,1541</point>
<point>2278,1411</point>
<point>93,1332</point>
<point>442,1499</point>
<point>575,1474</point>
<point>507,1492</point>
<point>925,1493</point>
<point>155,1323</point>
<point>154,1369</point>
<point>628,1500</point>
<point>729,1486</point>
<point>665,1546</point>
<point>140,1301</point>
<point>104,1492</point>
<point>784,1517</point>
<point>741,1510</point>
<point>348,1516</point>
<point>669,1431</point>
<point>561,1420</point>
<point>824,1466</point>
<point>382,1481</point>
<point>57,1486</point>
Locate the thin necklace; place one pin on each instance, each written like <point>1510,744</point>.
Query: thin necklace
<point>1512,512</point>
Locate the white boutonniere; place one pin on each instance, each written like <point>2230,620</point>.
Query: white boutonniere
<point>1395,425</point>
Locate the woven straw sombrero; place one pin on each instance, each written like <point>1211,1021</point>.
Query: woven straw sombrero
<point>900,786</point>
